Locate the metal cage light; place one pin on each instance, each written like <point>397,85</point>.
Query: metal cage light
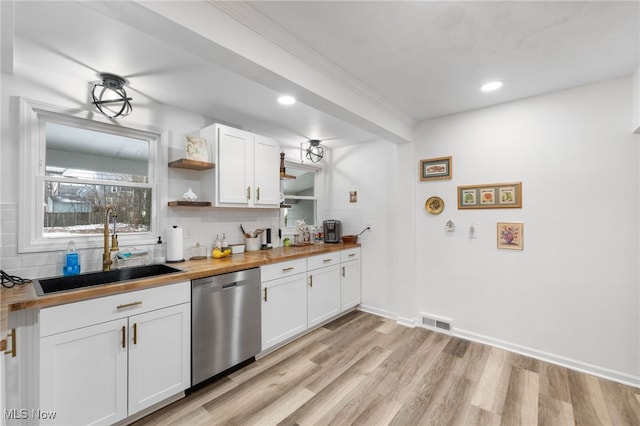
<point>110,97</point>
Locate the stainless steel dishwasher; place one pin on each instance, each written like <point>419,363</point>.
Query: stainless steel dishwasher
<point>225,322</point>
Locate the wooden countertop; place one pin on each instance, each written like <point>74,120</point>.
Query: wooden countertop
<point>25,297</point>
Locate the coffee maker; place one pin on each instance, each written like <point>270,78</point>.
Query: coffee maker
<point>332,231</point>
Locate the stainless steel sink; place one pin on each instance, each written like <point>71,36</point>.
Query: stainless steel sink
<point>57,284</point>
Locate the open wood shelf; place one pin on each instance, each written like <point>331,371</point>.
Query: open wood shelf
<point>190,203</point>
<point>185,163</point>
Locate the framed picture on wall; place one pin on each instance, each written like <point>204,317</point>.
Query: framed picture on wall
<point>490,196</point>
<point>510,235</point>
<point>436,168</point>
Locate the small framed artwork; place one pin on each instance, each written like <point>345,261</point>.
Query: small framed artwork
<point>197,148</point>
<point>490,196</point>
<point>435,168</point>
<point>510,235</point>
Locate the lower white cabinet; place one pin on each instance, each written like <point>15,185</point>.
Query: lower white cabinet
<point>83,375</point>
<point>284,309</point>
<point>300,294</point>
<point>284,301</point>
<point>104,371</point>
<point>323,292</point>
<point>350,278</point>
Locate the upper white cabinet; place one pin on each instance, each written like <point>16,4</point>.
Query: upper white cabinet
<point>248,169</point>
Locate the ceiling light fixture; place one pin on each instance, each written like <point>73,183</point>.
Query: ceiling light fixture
<point>110,97</point>
<point>287,100</point>
<point>315,151</point>
<point>493,85</point>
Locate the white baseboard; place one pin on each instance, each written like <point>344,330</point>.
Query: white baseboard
<point>378,312</point>
<point>605,373</point>
<point>407,322</point>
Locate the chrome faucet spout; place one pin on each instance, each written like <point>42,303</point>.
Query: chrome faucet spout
<point>110,212</point>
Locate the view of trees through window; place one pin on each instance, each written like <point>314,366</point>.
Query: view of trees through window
<point>72,208</point>
<point>88,170</point>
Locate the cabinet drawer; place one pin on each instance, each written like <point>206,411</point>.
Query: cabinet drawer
<point>322,260</point>
<point>75,315</point>
<point>350,254</point>
<point>282,269</point>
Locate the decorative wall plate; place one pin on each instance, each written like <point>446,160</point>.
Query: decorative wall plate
<point>434,205</point>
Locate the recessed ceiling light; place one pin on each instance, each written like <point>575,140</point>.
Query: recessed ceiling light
<point>287,100</point>
<point>493,85</point>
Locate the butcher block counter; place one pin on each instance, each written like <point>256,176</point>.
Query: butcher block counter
<point>25,297</point>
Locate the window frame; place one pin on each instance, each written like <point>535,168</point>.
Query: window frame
<point>318,194</point>
<point>32,118</point>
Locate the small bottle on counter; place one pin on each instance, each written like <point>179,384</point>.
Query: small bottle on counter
<point>71,261</point>
<point>159,252</point>
<point>224,244</point>
<point>217,243</point>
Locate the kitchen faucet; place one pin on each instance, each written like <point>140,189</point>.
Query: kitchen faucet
<point>106,255</point>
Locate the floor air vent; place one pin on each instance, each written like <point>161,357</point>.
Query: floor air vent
<point>432,322</point>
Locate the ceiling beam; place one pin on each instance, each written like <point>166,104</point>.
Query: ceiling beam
<point>210,32</point>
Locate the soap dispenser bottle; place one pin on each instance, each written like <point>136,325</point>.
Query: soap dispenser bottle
<point>159,252</point>
<point>71,261</point>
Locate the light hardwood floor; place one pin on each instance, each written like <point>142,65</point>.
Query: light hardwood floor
<point>367,370</point>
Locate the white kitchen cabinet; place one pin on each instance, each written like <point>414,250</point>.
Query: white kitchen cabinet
<point>266,172</point>
<point>159,355</point>
<point>323,291</point>
<point>248,169</point>
<point>19,377</point>
<point>105,359</point>
<point>83,374</point>
<point>284,301</point>
<point>349,278</point>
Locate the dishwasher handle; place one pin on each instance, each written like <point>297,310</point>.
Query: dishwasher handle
<point>223,282</point>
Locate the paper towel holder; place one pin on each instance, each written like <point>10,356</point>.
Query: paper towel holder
<point>171,241</point>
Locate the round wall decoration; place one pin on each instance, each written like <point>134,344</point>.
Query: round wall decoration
<point>434,205</point>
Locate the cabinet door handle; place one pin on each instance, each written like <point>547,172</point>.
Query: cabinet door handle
<point>310,280</point>
<point>248,192</point>
<point>326,260</point>
<point>291,268</point>
<point>343,271</point>
<point>258,194</point>
<point>12,336</point>
<point>128,305</point>
<point>135,333</point>
<point>351,254</point>
<point>265,294</point>
<point>124,341</point>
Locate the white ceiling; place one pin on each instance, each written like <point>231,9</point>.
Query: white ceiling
<point>419,59</point>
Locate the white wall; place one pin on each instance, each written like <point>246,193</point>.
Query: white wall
<point>371,171</point>
<point>200,224</point>
<point>572,295</point>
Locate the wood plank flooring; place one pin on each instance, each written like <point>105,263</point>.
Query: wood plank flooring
<point>366,370</point>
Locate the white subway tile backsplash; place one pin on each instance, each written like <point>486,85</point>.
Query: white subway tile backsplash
<point>9,250</point>
<point>8,212</point>
<point>202,226</point>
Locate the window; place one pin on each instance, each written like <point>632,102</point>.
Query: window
<point>73,169</point>
<point>300,195</point>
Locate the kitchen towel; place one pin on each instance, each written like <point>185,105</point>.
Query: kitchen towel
<point>175,250</point>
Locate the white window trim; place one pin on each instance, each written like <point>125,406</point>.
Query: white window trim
<point>32,137</point>
<point>318,197</point>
